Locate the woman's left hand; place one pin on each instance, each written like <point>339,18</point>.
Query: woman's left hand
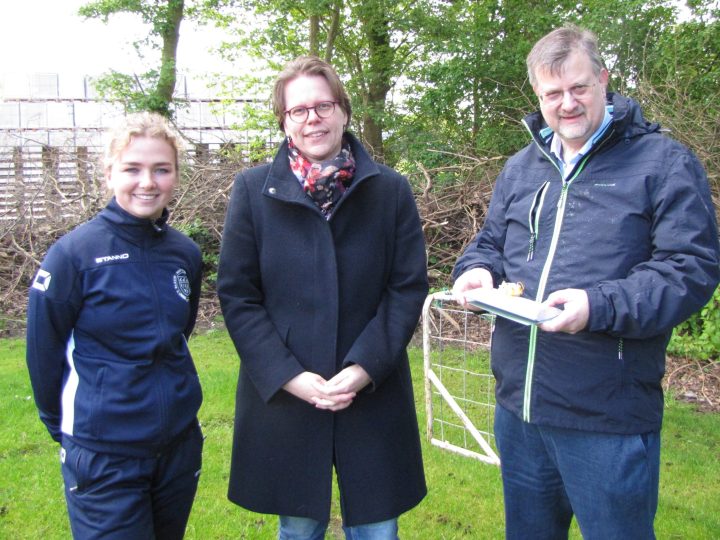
<point>342,388</point>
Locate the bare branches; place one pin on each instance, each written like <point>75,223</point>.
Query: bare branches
<point>453,201</point>
<point>42,207</point>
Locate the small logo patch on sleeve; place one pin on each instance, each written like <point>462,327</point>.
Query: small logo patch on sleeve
<point>182,284</point>
<point>42,280</point>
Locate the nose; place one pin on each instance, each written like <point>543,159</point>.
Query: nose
<point>568,100</point>
<point>313,116</point>
<point>146,179</point>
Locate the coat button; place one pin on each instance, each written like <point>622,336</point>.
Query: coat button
<point>272,191</point>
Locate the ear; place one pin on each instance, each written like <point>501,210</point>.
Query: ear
<point>108,177</point>
<point>604,76</point>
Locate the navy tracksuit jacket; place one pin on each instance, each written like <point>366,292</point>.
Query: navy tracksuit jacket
<point>109,314</point>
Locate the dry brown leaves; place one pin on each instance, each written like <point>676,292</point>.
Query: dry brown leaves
<point>694,381</point>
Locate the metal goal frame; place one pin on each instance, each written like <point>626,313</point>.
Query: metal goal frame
<point>449,328</point>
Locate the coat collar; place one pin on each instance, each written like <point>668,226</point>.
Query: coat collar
<point>282,184</point>
<point>134,229</point>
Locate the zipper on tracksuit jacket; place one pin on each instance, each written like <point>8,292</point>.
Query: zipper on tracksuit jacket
<point>158,371</point>
<point>527,396</point>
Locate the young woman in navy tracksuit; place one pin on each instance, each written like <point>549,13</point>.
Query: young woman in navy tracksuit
<point>109,315</point>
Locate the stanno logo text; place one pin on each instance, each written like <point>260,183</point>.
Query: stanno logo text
<point>108,258</point>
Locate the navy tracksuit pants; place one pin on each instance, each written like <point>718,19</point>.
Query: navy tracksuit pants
<point>116,497</point>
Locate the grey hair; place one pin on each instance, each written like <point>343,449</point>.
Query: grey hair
<point>553,50</point>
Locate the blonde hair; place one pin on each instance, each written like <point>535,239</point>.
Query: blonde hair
<point>140,124</point>
<point>310,66</point>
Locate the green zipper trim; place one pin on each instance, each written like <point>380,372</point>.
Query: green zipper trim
<point>527,396</point>
<point>529,372</point>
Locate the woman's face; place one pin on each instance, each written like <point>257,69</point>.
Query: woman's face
<point>316,138</point>
<point>143,176</point>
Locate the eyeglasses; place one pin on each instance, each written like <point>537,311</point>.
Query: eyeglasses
<point>300,113</point>
<point>578,91</point>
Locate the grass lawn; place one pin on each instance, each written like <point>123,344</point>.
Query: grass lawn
<point>464,500</point>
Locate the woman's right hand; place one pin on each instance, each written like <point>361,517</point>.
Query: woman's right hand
<point>310,387</point>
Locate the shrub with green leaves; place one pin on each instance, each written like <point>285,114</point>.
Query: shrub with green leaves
<point>699,336</point>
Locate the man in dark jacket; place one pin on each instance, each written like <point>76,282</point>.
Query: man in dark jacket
<point>602,216</point>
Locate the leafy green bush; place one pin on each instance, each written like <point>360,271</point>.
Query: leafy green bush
<point>209,246</point>
<point>699,336</point>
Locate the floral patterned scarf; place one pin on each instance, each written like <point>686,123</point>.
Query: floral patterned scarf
<point>324,182</point>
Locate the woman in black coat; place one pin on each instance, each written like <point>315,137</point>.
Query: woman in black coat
<point>322,277</point>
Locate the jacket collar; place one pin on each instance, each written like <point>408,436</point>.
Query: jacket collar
<point>132,228</point>
<point>282,184</point>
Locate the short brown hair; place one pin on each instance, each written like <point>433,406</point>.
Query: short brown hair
<point>140,124</point>
<point>553,50</point>
<point>309,66</point>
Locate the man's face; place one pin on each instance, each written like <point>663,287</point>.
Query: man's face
<point>572,102</point>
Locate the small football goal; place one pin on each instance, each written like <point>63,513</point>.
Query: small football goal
<point>459,386</point>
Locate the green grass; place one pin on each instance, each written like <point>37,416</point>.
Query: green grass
<point>464,500</point>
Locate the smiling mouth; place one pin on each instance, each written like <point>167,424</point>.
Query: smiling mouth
<point>145,197</point>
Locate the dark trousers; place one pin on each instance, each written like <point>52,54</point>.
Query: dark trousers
<point>117,497</point>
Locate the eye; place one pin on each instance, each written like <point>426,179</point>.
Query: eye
<point>325,106</point>
<point>553,96</point>
<point>580,89</point>
<point>130,170</point>
<point>298,112</point>
<point>163,170</point>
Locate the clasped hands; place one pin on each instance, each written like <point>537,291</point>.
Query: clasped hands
<point>333,395</point>
<point>574,302</point>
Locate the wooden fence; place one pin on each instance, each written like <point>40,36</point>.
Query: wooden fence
<point>37,182</point>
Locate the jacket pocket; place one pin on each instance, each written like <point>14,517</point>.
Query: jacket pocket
<point>95,420</point>
<point>74,467</point>
<point>534,218</point>
<point>283,331</point>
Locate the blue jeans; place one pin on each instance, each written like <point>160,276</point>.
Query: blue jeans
<point>608,481</point>
<point>300,528</point>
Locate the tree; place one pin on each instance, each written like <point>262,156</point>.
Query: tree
<point>469,90</point>
<point>369,43</point>
<point>152,90</point>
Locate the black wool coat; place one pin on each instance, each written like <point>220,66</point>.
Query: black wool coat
<point>302,293</point>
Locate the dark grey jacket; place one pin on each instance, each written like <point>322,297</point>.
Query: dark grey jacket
<point>634,226</point>
<point>301,293</point>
